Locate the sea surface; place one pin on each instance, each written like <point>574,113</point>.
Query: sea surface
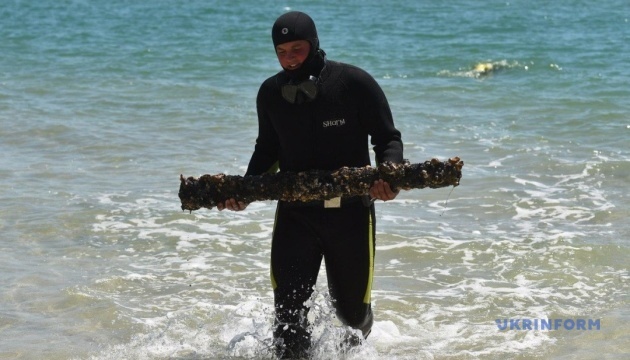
<point>103,104</point>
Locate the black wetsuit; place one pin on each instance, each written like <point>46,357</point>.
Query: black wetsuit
<point>327,133</point>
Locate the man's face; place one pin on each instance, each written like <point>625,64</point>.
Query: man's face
<point>292,54</point>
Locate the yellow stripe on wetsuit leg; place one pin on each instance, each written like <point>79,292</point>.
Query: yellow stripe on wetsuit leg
<point>272,170</point>
<point>368,292</point>
<point>274,285</point>
<point>273,280</point>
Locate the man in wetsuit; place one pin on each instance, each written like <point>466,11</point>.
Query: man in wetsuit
<point>319,114</point>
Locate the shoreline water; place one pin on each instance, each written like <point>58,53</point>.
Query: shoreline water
<point>104,105</point>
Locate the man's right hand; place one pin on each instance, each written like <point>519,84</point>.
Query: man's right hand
<point>232,204</point>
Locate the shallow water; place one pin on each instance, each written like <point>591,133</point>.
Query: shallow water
<point>103,105</point>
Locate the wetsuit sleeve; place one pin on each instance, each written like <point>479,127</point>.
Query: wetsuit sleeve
<point>376,116</point>
<point>265,156</point>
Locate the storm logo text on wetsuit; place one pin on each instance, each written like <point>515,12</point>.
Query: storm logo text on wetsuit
<point>337,122</point>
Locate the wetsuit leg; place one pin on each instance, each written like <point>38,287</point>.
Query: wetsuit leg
<point>296,257</point>
<point>349,256</point>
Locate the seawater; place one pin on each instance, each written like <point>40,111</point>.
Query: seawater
<point>104,104</point>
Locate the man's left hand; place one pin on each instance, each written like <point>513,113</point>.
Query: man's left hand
<point>382,191</point>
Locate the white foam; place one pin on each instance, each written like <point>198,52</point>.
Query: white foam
<point>440,281</point>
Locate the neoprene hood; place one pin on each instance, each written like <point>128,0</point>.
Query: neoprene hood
<point>292,26</point>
